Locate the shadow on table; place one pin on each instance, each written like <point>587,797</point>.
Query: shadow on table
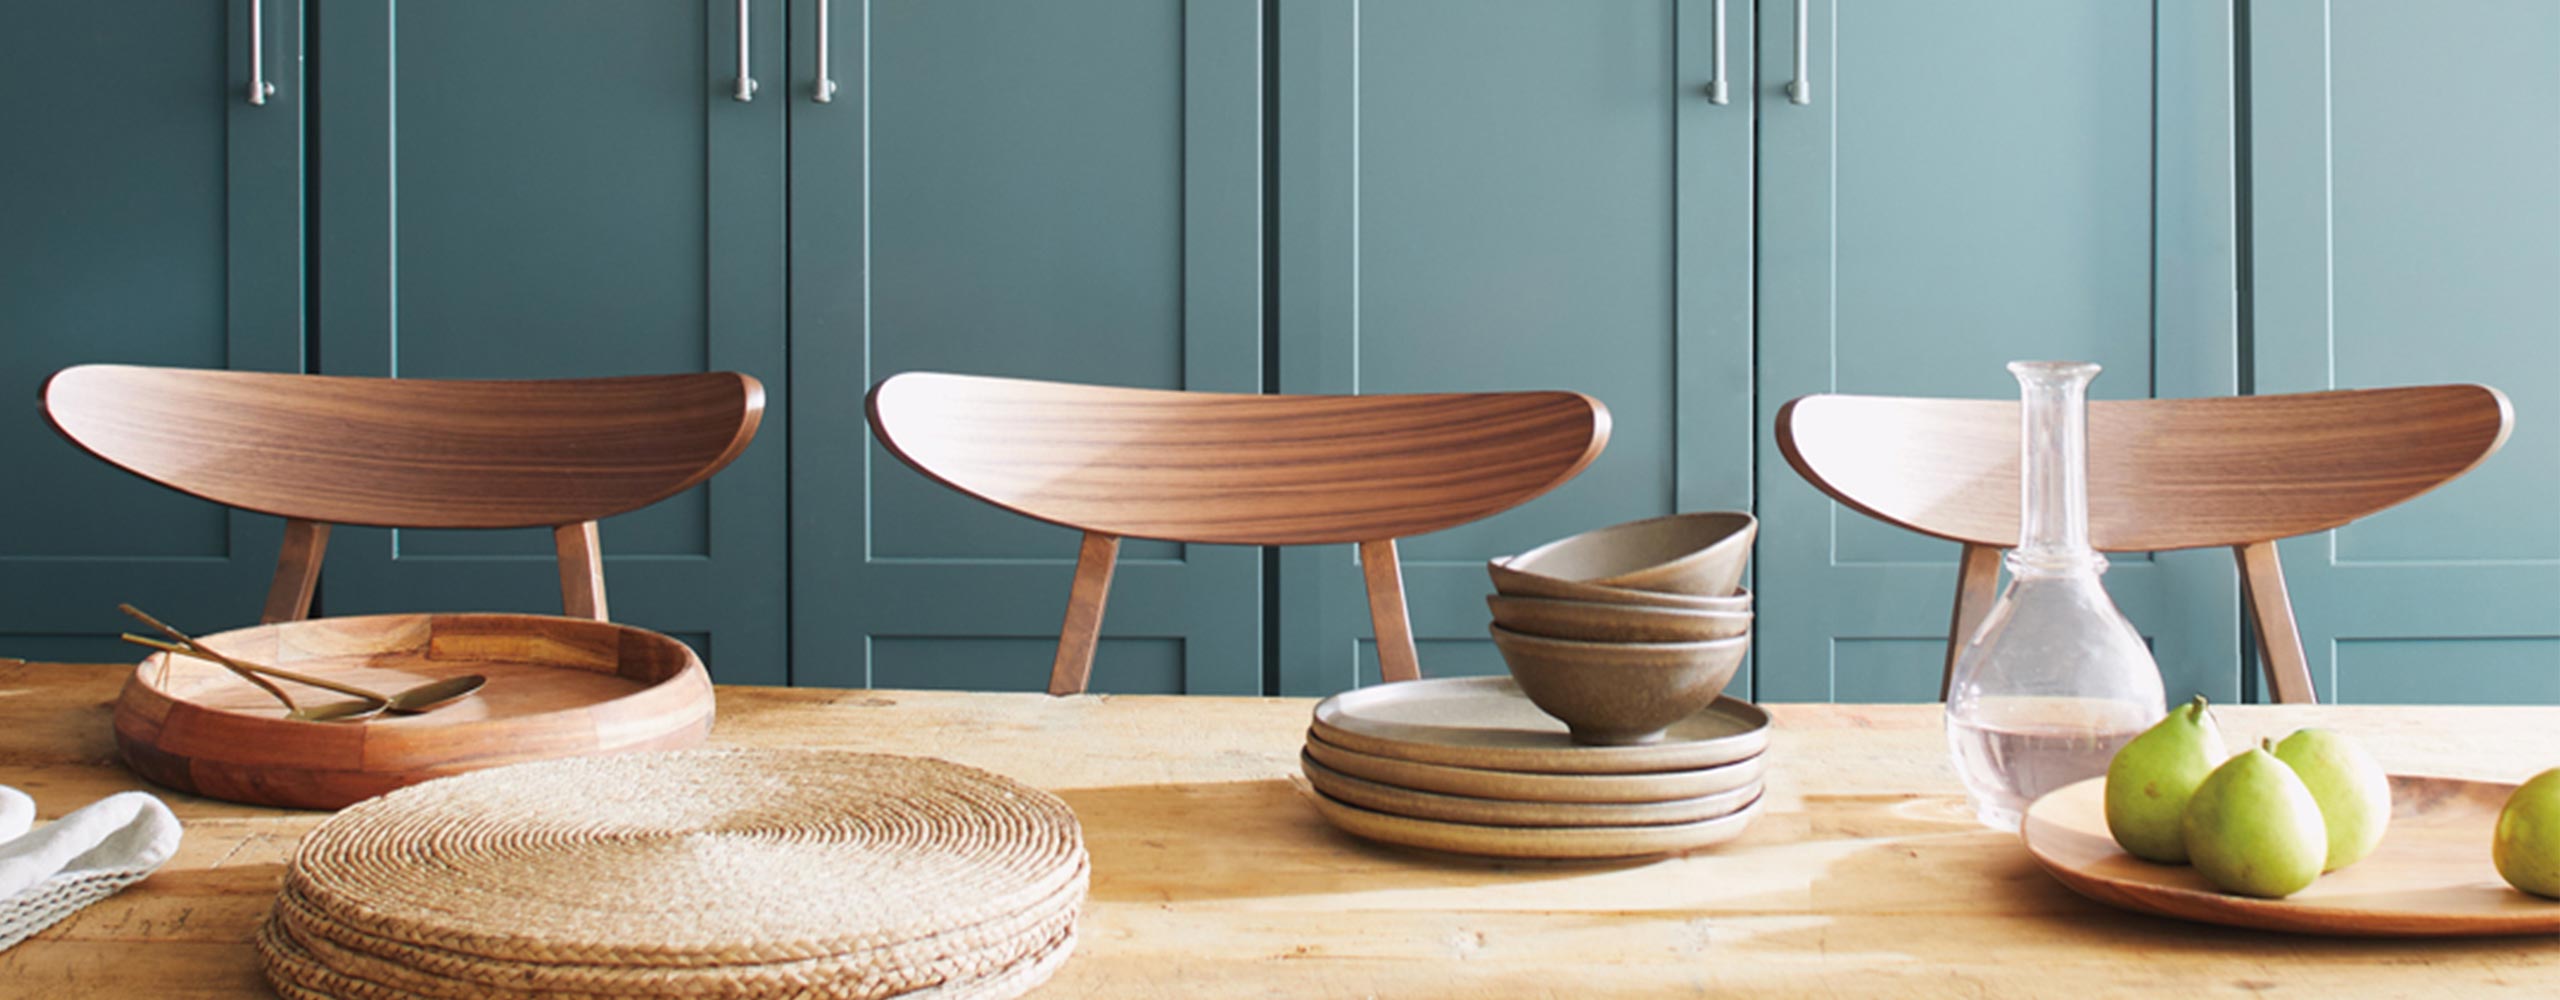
<point>1261,839</point>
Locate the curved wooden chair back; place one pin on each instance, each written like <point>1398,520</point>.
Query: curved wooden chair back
<point>1237,469</point>
<point>319,450</point>
<point>2238,471</point>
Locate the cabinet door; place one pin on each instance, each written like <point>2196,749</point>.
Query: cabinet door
<point>1485,195</point>
<point>559,188</point>
<point>149,214</point>
<point>2406,230</point>
<point>1041,190</point>
<point>1971,182</point>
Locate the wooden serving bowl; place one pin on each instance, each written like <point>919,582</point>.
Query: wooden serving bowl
<point>1594,621</point>
<point>558,687</point>
<point>1619,693</point>
<point>1700,554</point>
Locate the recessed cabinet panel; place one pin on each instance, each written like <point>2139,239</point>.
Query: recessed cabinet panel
<point>1482,197</point>
<point>1056,191</point>
<point>1968,184</point>
<point>566,188</point>
<point>2405,236</point>
<point>150,215</point>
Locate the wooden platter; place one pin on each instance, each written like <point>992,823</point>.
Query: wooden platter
<point>1387,798</point>
<point>2431,877</point>
<point>1548,842</point>
<point>1531,786</point>
<point>1485,722</point>
<point>558,687</point>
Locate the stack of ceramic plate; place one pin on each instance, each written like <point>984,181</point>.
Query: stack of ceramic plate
<point>733,874</point>
<point>1469,765</point>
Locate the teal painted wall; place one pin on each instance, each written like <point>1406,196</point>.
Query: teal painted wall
<point>1299,196</point>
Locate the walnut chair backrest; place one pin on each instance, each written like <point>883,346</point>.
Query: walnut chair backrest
<point>412,453</point>
<point>1239,469</point>
<point>2238,471</point>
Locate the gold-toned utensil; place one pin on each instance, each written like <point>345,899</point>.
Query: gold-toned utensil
<point>421,698</point>
<point>326,713</point>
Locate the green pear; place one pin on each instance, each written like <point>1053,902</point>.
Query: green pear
<point>2150,780</point>
<point>2527,844</point>
<point>2253,829</point>
<point>2354,795</point>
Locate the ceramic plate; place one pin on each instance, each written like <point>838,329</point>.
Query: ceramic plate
<point>2431,877</point>
<point>1497,812</point>
<point>1528,786</point>
<point>1548,842</point>
<point>1484,722</point>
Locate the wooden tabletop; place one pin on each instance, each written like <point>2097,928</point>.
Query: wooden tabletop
<point>1212,877</point>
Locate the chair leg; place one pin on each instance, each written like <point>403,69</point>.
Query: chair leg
<point>1977,585</point>
<point>297,572</point>
<point>2279,639</point>
<point>1073,668</point>
<point>1397,660</point>
<point>581,570</point>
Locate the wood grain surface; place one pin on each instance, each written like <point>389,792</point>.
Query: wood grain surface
<point>557,686</point>
<point>2234,471</point>
<point>1213,877</point>
<point>1237,469</point>
<point>410,453</point>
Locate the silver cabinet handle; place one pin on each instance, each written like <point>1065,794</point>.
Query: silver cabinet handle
<point>746,84</point>
<point>259,88</point>
<point>825,80</point>
<point>1800,89</point>
<point>1717,92</point>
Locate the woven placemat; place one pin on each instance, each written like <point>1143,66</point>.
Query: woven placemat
<point>728,873</point>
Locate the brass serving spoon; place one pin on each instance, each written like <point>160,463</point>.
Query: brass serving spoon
<point>425,697</point>
<point>339,712</point>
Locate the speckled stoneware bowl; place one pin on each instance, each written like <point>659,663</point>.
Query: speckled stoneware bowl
<point>1514,583</point>
<point>1700,554</point>
<point>1619,693</point>
<point>1595,621</point>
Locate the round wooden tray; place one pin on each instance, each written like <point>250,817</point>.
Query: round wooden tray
<point>558,687</point>
<point>2431,877</point>
<point>1486,723</point>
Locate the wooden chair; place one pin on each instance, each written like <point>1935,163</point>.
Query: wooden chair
<point>2240,471</point>
<point>1235,469</point>
<point>320,450</point>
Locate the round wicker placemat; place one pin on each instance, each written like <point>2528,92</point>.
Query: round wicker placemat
<point>692,874</point>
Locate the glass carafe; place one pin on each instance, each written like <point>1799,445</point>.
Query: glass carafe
<point>2055,680</point>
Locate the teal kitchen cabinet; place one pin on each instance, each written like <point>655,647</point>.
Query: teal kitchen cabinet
<point>2406,229</point>
<point>558,188</point>
<point>1060,191</point>
<point>1481,195</point>
<point>150,213</point>
<point>1966,183</point>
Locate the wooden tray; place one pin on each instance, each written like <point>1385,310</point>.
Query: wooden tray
<point>1530,786</point>
<point>1485,722</point>
<point>1386,798</point>
<point>1548,842</point>
<point>2431,877</point>
<point>558,687</point>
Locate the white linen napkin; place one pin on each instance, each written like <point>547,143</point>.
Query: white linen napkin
<point>49,873</point>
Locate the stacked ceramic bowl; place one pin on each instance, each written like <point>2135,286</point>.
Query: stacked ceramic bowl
<point>1624,631</point>
<point>1611,737</point>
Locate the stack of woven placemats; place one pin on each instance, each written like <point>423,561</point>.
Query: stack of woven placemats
<point>709,873</point>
